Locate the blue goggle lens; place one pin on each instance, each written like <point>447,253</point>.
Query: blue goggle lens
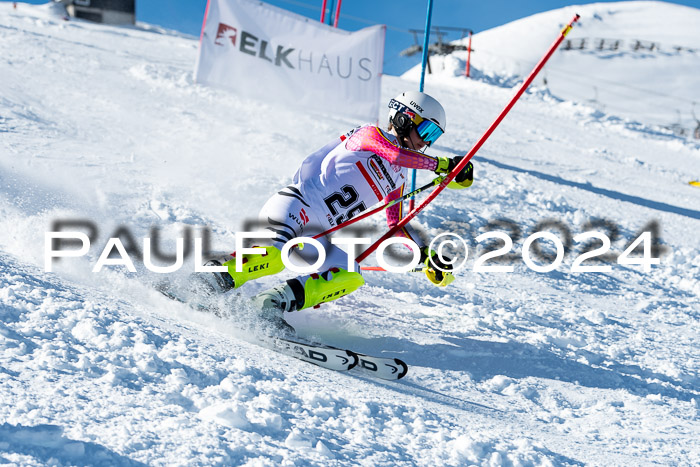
<point>429,131</point>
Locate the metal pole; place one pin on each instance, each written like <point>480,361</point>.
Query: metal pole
<point>426,42</point>
<point>463,163</point>
<point>330,12</point>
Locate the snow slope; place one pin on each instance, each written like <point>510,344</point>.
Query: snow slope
<point>638,60</point>
<point>104,124</point>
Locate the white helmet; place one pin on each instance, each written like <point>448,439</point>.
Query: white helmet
<point>417,109</point>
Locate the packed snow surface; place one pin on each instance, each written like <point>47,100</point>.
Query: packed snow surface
<point>103,125</point>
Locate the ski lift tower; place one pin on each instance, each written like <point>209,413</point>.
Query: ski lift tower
<point>440,47</point>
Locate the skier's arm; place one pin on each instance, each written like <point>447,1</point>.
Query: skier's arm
<point>371,138</point>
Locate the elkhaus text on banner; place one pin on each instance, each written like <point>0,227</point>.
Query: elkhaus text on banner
<point>269,53</point>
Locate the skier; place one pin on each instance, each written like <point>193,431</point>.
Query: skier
<point>335,183</point>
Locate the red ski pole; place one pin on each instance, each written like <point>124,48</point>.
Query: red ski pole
<point>463,163</point>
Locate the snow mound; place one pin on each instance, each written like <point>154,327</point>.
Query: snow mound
<point>638,60</point>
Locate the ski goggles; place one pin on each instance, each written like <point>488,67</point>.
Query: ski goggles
<point>428,131</point>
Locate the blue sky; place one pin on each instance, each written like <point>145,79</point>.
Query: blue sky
<point>399,16</point>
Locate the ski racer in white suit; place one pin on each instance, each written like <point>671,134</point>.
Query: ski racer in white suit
<point>348,175</point>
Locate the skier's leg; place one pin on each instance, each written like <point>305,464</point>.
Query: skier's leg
<point>285,215</point>
<point>311,290</point>
<point>254,266</point>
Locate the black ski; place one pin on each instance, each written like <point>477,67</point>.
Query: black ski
<point>382,367</point>
<point>321,355</point>
<point>327,356</point>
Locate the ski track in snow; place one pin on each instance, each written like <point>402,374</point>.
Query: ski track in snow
<point>104,124</point>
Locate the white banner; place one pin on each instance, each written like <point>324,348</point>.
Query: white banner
<point>271,54</point>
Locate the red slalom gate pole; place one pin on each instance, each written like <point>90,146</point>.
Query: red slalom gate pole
<point>469,52</point>
<point>337,14</point>
<point>323,11</point>
<point>463,163</point>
